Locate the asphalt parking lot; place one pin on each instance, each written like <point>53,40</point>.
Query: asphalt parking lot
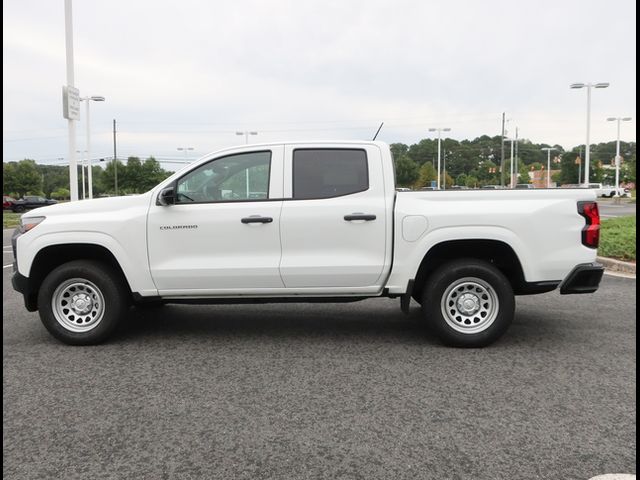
<point>324,391</point>
<point>608,208</point>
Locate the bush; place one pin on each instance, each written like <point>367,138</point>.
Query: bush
<point>618,238</point>
<point>61,194</point>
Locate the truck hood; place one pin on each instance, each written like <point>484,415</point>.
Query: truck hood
<point>96,206</point>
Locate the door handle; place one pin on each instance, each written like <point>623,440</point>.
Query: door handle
<point>360,216</point>
<point>256,219</point>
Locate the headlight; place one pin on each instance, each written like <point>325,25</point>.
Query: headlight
<point>28,223</point>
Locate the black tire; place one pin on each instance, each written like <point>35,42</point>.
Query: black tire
<point>91,285</point>
<point>417,296</point>
<point>18,209</point>
<point>468,303</point>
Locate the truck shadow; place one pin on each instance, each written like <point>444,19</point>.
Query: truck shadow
<point>361,321</point>
<point>281,320</point>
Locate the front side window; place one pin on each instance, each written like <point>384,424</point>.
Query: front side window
<point>326,173</point>
<point>235,178</point>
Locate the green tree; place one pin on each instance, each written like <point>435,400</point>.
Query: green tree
<point>152,174</point>
<point>61,194</point>
<point>398,150</point>
<point>107,179</point>
<point>426,175</point>
<point>21,177</point>
<point>523,174</point>
<point>472,182</point>
<point>131,177</point>
<point>407,171</point>
<point>54,177</point>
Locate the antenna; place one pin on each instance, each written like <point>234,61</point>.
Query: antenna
<point>379,128</point>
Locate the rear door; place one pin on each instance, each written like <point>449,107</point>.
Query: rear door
<point>333,220</point>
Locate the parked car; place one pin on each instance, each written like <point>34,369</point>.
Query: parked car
<point>524,186</point>
<point>333,228</point>
<point>492,187</point>
<point>30,202</point>
<point>609,191</point>
<point>7,202</point>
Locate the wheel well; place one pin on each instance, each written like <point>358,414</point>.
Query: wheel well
<point>495,252</point>
<point>52,257</point>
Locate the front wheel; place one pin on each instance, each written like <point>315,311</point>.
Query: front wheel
<point>81,302</point>
<point>469,303</point>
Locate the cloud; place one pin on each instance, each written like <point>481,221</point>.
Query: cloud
<point>195,72</point>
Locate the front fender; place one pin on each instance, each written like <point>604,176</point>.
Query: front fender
<point>132,259</point>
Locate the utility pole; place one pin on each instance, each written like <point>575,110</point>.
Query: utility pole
<point>511,167</point>
<point>444,168</point>
<point>502,154</point>
<point>115,158</point>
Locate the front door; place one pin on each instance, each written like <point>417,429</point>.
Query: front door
<point>223,233</point>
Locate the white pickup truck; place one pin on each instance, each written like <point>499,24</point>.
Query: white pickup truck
<point>609,190</point>
<point>305,222</point>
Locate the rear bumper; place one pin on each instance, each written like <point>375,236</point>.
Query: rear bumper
<point>584,278</point>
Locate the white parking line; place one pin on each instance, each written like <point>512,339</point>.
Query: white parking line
<point>6,266</point>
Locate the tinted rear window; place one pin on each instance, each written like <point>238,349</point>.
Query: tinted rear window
<point>325,173</point>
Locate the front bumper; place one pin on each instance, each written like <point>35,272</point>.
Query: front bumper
<point>584,278</point>
<point>21,284</point>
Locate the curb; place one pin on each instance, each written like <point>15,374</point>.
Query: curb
<point>617,265</point>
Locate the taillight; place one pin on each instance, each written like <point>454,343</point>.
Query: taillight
<point>591,231</point>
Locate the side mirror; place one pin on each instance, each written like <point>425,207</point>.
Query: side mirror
<point>166,197</point>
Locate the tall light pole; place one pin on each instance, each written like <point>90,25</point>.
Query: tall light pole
<point>94,98</point>
<point>185,150</point>
<point>246,135</point>
<point>548,150</point>
<point>617,161</point>
<point>84,194</point>
<point>588,86</point>
<point>439,130</point>
<point>68,36</point>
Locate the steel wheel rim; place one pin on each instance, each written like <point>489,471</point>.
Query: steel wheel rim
<point>78,305</point>
<point>470,305</point>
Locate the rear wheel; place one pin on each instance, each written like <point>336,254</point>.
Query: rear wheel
<point>81,302</point>
<point>18,209</point>
<point>469,303</point>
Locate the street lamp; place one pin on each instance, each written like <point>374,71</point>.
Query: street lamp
<point>548,150</point>
<point>94,98</point>
<point>588,87</point>
<point>246,140</point>
<point>246,135</point>
<point>618,119</point>
<point>439,130</point>
<point>185,149</point>
<point>82,164</point>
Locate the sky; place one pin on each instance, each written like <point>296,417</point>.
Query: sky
<point>193,73</point>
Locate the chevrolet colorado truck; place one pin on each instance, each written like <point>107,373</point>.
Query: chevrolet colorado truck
<point>305,222</point>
